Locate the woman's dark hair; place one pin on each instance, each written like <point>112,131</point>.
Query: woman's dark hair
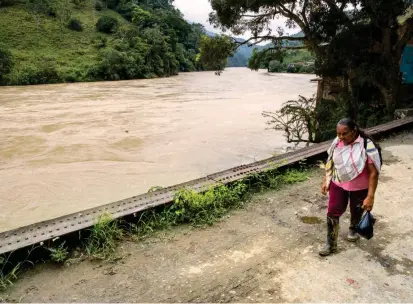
<point>352,125</point>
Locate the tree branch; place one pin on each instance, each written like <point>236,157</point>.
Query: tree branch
<point>332,4</point>
<point>303,12</point>
<point>289,14</point>
<point>408,34</point>
<point>270,37</point>
<point>293,47</point>
<point>258,16</point>
<point>283,48</point>
<point>343,5</point>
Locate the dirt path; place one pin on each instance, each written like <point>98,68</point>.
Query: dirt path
<point>265,253</point>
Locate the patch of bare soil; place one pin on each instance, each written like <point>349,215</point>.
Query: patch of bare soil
<point>267,252</point>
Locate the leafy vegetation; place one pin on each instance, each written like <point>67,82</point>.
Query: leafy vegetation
<point>297,118</point>
<point>282,61</point>
<point>107,24</point>
<point>59,254</point>
<point>7,278</point>
<point>6,63</point>
<point>205,208</point>
<point>214,51</point>
<point>49,41</point>
<point>303,121</point>
<point>188,207</point>
<point>75,25</point>
<point>101,243</point>
<point>359,41</point>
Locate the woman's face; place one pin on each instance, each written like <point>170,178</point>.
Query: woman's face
<point>346,135</point>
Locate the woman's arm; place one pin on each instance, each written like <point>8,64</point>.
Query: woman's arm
<point>373,181</point>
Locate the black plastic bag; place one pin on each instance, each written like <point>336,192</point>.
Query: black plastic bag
<point>365,227</point>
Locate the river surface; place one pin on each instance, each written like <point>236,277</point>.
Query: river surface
<point>68,147</point>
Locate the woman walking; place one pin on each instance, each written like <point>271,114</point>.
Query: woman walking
<point>352,172</point>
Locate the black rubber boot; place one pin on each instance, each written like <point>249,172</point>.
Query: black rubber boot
<point>333,228</point>
<point>354,221</point>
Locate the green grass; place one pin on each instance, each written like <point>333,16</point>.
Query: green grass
<point>103,238</point>
<point>298,56</point>
<point>38,39</point>
<point>208,207</point>
<point>188,207</point>
<point>7,279</point>
<point>59,254</point>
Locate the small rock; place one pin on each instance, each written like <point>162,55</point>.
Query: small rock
<point>233,292</point>
<point>109,271</point>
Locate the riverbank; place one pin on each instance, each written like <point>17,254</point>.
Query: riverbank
<point>62,41</point>
<point>70,147</point>
<point>265,253</point>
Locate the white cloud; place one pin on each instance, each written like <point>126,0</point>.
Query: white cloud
<point>195,11</point>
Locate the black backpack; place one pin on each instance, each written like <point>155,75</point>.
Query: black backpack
<point>378,149</point>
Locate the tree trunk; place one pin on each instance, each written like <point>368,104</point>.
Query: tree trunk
<point>390,96</point>
<point>353,99</point>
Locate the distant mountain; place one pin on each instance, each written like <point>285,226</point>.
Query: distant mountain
<point>210,34</point>
<point>242,55</point>
<point>244,52</point>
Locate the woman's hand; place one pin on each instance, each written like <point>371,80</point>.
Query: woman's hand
<point>368,203</point>
<point>324,188</point>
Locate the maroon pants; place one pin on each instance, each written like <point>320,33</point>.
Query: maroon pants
<point>338,201</point>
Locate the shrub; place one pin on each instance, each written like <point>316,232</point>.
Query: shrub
<point>42,74</point>
<point>309,69</point>
<point>98,5</point>
<point>101,243</point>
<point>59,254</point>
<point>275,67</point>
<point>6,62</point>
<point>75,25</point>
<point>6,2</point>
<point>116,65</point>
<point>112,4</point>
<point>100,42</point>
<point>107,25</point>
<point>79,2</point>
<point>70,78</point>
<point>45,7</point>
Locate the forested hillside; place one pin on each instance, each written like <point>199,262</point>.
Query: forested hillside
<point>49,41</point>
<point>245,52</point>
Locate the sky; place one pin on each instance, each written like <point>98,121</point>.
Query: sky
<point>198,11</point>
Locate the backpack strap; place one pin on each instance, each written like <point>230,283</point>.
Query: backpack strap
<point>378,150</point>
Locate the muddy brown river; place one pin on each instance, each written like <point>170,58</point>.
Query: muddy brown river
<point>68,147</point>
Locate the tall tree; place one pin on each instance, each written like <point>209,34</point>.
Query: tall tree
<point>363,37</point>
<point>214,52</point>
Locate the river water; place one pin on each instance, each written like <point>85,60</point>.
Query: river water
<point>68,147</point>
